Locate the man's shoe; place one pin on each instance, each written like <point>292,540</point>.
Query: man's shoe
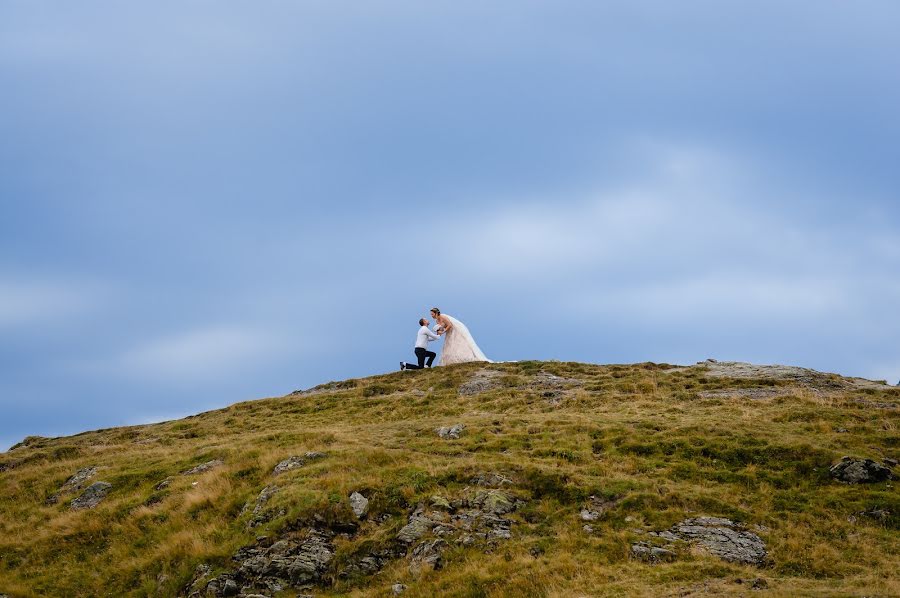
<point>402,366</point>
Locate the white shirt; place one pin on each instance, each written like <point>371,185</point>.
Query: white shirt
<point>424,336</point>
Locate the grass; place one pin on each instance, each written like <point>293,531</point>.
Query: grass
<point>638,434</point>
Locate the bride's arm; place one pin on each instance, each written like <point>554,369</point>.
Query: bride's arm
<point>445,324</point>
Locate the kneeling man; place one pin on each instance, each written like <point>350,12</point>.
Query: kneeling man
<point>423,337</point>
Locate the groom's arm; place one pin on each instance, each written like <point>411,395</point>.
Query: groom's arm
<point>431,335</point>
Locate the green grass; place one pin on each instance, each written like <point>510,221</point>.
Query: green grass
<point>637,434</point>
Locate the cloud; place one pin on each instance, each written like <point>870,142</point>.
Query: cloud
<point>216,352</point>
<point>33,302</point>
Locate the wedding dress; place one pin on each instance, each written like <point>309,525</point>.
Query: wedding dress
<point>459,346</point>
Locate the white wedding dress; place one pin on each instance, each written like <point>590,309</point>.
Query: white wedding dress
<point>459,346</point>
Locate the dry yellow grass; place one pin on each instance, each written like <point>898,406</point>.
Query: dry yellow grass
<point>638,432</point>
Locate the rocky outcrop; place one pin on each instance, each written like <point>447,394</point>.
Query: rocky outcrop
<point>91,497</point>
<point>296,461</point>
<point>203,467</point>
<point>451,432</point>
<point>73,484</point>
<point>811,379</point>
<point>860,471</point>
<point>294,561</point>
<point>726,539</point>
<point>481,381</point>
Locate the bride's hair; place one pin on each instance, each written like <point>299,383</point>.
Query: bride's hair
<point>436,310</point>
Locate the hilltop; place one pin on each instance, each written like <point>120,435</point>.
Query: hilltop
<point>511,479</point>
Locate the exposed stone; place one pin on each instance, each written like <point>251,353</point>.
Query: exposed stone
<point>91,497</point>
<point>451,433</point>
<point>759,584</point>
<point>859,471</point>
<point>889,462</point>
<point>359,504</point>
<point>651,554</point>
<point>724,538</point>
<point>163,484</point>
<point>398,588</point>
<point>816,381</point>
<point>481,381</point>
<point>417,527</point>
<point>439,502</point>
<point>203,467</point>
<point>288,464</point>
<point>494,501</point>
<point>588,528</point>
<point>427,555</point>
<point>75,483</point>
<point>291,561</point>
<point>257,509</point>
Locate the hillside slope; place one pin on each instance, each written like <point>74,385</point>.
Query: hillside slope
<point>514,479</point>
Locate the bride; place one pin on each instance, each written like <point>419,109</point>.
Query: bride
<point>459,346</point>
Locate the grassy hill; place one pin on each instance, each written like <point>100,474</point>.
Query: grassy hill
<point>567,479</point>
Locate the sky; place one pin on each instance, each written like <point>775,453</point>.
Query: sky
<point>207,202</point>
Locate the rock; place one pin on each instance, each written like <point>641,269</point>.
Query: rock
<point>723,538</point>
<point>359,504</point>
<point>398,588</point>
<point>759,584</point>
<point>451,433</point>
<point>203,467</point>
<point>291,561</point>
<point>588,528</point>
<point>91,497</point>
<point>816,381</point>
<point>427,555</point>
<point>288,464</point>
<point>596,507</point>
<point>876,513</point>
<point>842,430</point>
<point>296,461</point>
<point>75,483</point>
<point>494,501</point>
<point>481,381</point>
<point>230,588</point>
<point>163,484</point>
<point>259,515</point>
<point>417,527</point>
<point>651,554</point>
<point>889,462</point>
<point>439,502</point>
<point>859,471</point>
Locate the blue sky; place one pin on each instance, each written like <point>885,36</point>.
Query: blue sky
<point>204,202</point>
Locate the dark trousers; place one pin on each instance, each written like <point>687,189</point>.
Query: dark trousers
<point>422,355</point>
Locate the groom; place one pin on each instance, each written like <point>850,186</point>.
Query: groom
<point>423,337</point>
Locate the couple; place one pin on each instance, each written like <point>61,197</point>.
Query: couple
<point>459,346</point>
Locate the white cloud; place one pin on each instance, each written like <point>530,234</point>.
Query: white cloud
<point>200,354</point>
<point>27,303</point>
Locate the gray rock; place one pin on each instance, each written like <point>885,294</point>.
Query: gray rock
<point>417,527</point>
<point>723,538</point>
<point>396,589</point>
<point>288,464</point>
<point>295,461</point>
<point>451,433</point>
<point>427,555</point>
<point>889,462</point>
<point>596,507</point>
<point>859,471</point>
<point>75,483</point>
<point>359,504</point>
<point>257,509</point>
<point>290,561</point>
<point>203,467</point>
<point>481,381</point>
<point>91,497</point>
<point>494,501</point>
<point>163,484</point>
